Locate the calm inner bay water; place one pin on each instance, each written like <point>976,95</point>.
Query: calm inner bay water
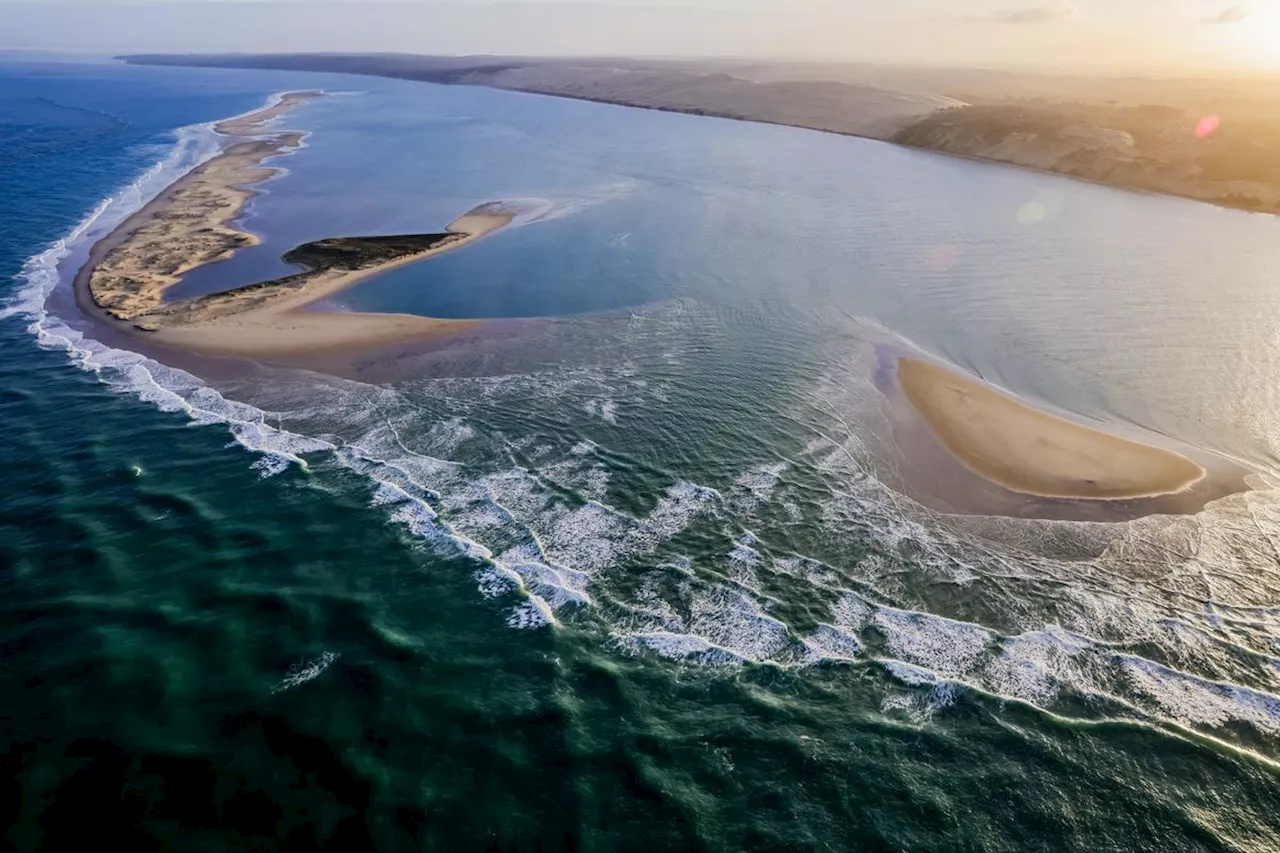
<point>633,565</point>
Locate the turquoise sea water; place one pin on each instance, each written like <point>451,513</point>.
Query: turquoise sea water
<point>630,569</point>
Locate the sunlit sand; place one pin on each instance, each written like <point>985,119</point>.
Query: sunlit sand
<point>1032,452</point>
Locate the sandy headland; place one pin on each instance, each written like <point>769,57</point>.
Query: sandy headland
<point>1032,452</point>
<point>189,225</point>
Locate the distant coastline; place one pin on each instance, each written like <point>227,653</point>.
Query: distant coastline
<point>1129,138</point>
<point>188,225</point>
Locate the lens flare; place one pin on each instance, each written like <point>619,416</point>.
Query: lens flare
<point>1032,213</point>
<point>1207,126</point>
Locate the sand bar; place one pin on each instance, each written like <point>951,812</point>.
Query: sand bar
<point>271,319</point>
<point>189,225</point>
<point>1033,452</point>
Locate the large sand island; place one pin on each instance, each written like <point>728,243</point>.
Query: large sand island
<point>190,224</point>
<point>1033,452</point>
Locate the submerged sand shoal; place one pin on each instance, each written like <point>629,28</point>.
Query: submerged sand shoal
<point>190,225</point>
<point>1032,452</point>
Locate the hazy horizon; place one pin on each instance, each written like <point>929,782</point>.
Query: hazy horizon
<point>1080,36</point>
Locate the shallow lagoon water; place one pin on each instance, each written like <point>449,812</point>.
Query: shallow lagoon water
<point>632,575</point>
<point>1114,305</point>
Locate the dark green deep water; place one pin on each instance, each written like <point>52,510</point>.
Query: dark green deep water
<point>200,657</point>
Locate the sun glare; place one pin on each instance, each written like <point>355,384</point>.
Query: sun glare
<point>1255,40</point>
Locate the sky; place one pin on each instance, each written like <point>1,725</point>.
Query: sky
<point>1075,35</point>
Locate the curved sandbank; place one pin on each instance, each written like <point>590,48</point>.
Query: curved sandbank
<point>1032,452</point>
<point>188,225</point>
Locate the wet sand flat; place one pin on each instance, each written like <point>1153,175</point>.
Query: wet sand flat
<point>1032,452</point>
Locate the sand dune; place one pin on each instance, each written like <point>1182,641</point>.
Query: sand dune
<point>188,224</point>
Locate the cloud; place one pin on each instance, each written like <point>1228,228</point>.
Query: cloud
<point>1045,13</point>
<point>1229,15</point>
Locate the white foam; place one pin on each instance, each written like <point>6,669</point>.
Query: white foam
<point>606,410</point>
<point>495,583</point>
<point>912,676</point>
<point>447,436</point>
<point>831,643</point>
<point>684,647</point>
<point>732,620</point>
<point>760,481</point>
<point>1030,667</point>
<point>529,615</point>
<point>301,673</point>
<point>1193,700</point>
<point>943,646</point>
<point>744,553</point>
<point>851,612</point>
<point>589,480</point>
<point>921,708</point>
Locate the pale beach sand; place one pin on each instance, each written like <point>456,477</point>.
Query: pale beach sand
<point>254,122</point>
<point>188,226</point>
<point>1033,452</point>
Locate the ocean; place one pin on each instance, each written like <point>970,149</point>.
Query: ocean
<point>640,563</point>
